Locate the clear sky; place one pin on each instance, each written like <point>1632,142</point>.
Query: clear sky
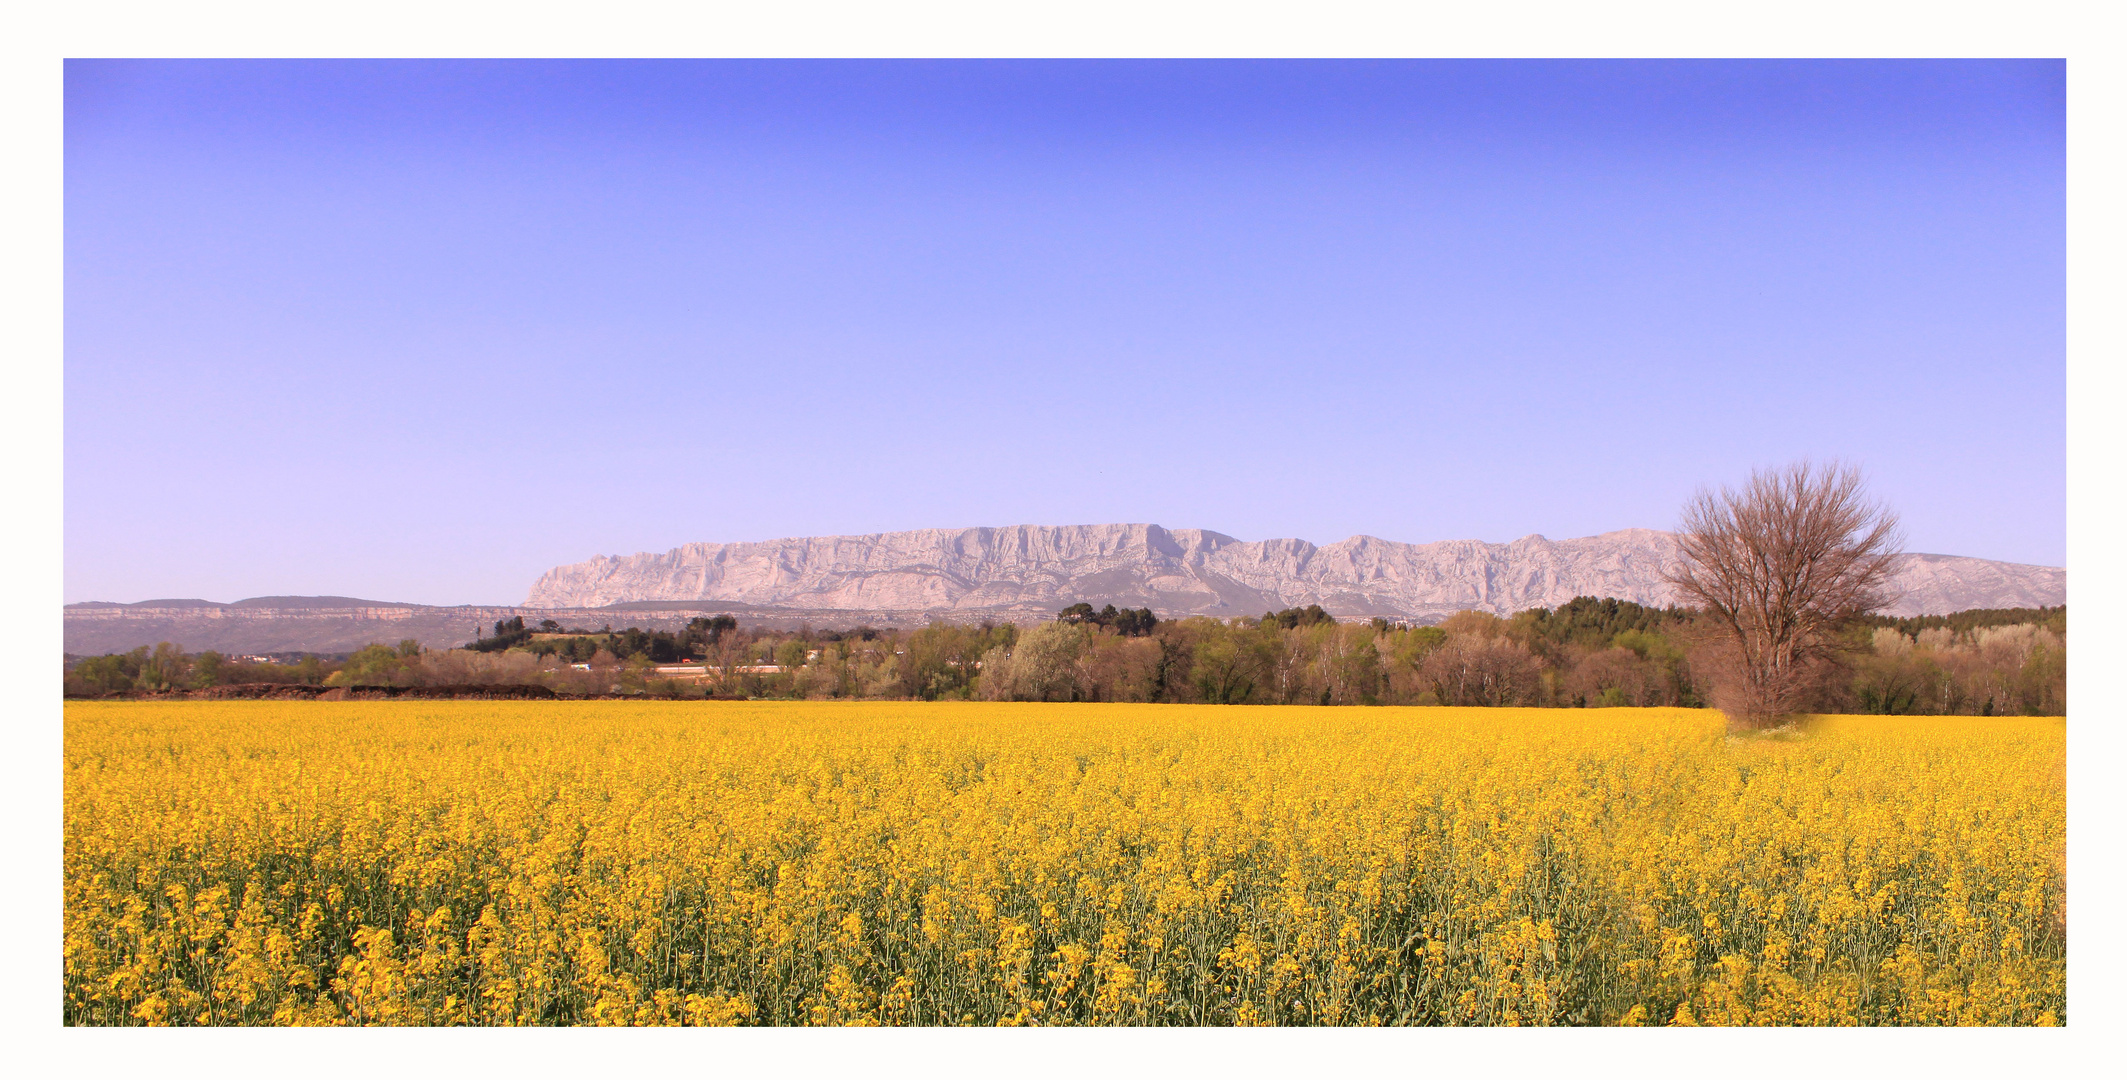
<point>418,331</point>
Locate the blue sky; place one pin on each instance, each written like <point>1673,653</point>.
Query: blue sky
<point>418,331</point>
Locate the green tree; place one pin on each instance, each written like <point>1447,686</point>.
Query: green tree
<point>209,668</point>
<point>1230,661</point>
<point>372,665</point>
<point>163,669</point>
<point>1045,663</point>
<point>109,674</point>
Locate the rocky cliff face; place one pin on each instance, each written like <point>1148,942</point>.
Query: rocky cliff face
<point>1025,568</point>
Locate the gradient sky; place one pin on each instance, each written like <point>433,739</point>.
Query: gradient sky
<point>418,331</point>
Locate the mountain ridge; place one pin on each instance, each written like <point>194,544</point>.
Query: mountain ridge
<point>255,602</point>
<point>1003,569</point>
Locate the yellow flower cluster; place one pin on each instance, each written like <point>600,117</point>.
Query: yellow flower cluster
<point>994,863</point>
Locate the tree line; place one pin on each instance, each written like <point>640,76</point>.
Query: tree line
<point>167,667</point>
<point>1588,653</point>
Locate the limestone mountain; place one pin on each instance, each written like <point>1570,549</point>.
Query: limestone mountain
<point>1036,568</point>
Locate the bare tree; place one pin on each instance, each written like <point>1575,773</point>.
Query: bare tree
<point>1480,669</point>
<point>1777,567</point>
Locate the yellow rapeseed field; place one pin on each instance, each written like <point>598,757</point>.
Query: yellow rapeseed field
<point>964,863</point>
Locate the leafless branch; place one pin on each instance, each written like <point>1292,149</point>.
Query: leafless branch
<point>1779,565</point>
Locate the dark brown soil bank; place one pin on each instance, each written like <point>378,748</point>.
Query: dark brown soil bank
<point>298,692</point>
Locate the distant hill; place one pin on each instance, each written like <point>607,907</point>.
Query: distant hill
<point>311,602</point>
<point>254,602</point>
<point>269,624</point>
<point>338,624</point>
<point>1030,568</point>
